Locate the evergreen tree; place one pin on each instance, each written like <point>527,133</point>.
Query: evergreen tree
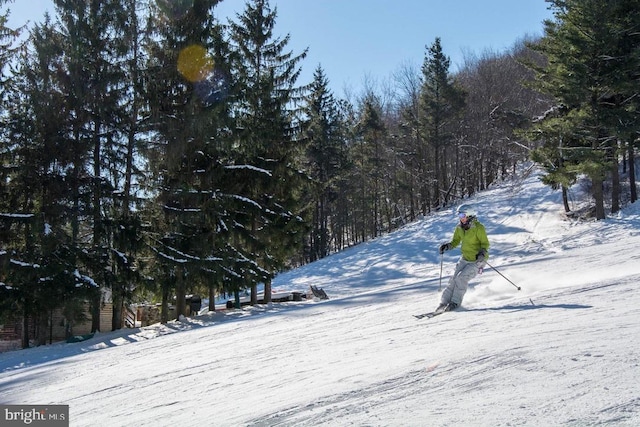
<point>369,157</point>
<point>324,136</point>
<point>187,84</point>
<point>555,133</point>
<point>266,152</point>
<point>441,102</point>
<point>122,162</point>
<point>41,267</point>
<point>589,47</point>
<point>622,103</point>
<point>344,232</point>
<point>8,54</point>
<point>9,46</point>
<point>94,79</point>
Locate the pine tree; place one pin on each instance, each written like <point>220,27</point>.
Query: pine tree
<point>324,136</point>
<point>42,270</point>
<point>344,217</point>
<point>187,151</point>
<point>266,153</point>
<point>591,65</point>
<point>124,223</point>
<point>93,77</point>
<point>622,103</point>
<point>370,163</point>
<point>555,132</point>
<point>8,54</point>
<point>441,102</point>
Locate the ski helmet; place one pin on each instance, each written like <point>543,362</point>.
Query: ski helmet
<point>465,210</point>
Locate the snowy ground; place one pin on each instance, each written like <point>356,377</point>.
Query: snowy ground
<point>564,350</point>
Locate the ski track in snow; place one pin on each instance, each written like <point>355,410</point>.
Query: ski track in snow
<point>539,361</point>
<point>564,350</point>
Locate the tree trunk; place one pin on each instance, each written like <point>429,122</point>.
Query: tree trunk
<point>565,199</point>
<point>42,329</point>
<point>254,294</point>
<point>96,302</point>
<point>598,195</point>
<point>615,183</point>
<point>236,298</point>
<point>632,173</point>
<point>164,310</point>
<point>181,304</point>
<point>267,291</point>
<point>118,305</point>
<point>212,299</point>
<point>25,327</point>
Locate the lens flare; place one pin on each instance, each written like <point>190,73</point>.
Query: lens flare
<point>194,64</point>
<point>213,89</point>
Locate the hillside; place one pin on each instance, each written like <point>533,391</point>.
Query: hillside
<point>564,350</point>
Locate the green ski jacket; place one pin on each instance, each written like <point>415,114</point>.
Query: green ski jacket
<point>473,240</point>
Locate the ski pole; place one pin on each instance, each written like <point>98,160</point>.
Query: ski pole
<point>441,259</point>
<point>505,277</point>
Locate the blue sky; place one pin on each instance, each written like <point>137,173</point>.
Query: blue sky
<point>358,40</point>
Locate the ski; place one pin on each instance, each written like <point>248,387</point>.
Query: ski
<point>428,315</point>
<point>435,313</point>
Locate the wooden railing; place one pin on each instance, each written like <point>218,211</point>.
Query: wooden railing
<point>130,317</point>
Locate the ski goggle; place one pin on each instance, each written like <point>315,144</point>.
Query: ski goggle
<point>462,215</point>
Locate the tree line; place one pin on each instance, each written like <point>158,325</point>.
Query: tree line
<point>150,150</point>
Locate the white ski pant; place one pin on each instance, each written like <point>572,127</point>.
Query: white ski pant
<point>457,287</point>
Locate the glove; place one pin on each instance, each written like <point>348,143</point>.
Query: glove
<point>481,259</point>
<point>445,247</point>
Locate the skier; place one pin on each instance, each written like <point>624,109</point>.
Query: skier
<point>475,252</point>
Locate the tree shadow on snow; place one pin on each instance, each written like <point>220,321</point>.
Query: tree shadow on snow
<point>514,308</point>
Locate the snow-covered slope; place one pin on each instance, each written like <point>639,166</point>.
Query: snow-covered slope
<point>564,350</point>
